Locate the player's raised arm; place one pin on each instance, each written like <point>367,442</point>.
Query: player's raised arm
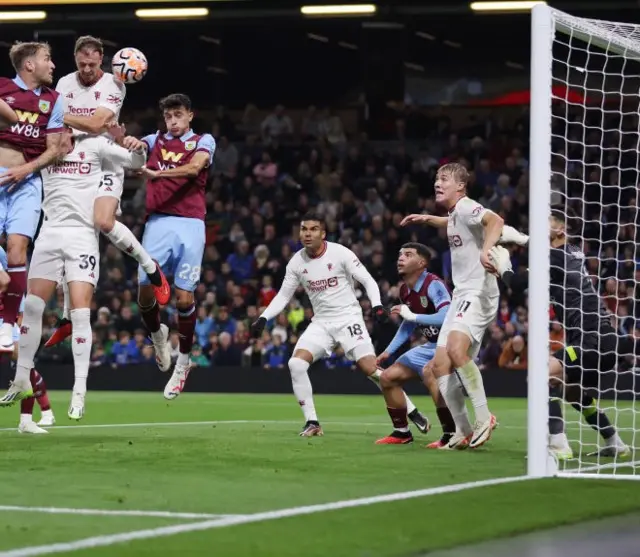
<point>430,220</point>
<point>94,124</point>
<point>8,117</point>
<point>283,297</point>
<point>121,156</point>
<point>201,159</point>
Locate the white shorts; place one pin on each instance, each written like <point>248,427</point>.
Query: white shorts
<point>72,252</point>
<point>470,313</point>
<point>321,337</point>
<point>111,181</point>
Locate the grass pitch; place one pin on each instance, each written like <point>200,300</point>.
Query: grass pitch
<point>212,460</point>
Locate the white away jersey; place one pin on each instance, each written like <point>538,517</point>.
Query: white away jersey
<point>70,186</point>
<point>80,100</point>
<point>328,280</point>
<point>466,238</point>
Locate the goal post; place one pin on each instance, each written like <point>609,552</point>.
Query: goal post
<point>584,145</point>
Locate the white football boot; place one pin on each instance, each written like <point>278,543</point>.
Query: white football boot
<point>29,426</point>
<point>176,383</point>
<point>76,408</point>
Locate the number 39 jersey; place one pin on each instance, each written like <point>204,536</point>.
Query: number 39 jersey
<point>70,186</point>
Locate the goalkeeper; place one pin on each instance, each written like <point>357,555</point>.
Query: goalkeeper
<point>590,344</point>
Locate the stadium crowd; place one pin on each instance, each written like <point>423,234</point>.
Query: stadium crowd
<point>267,173</point>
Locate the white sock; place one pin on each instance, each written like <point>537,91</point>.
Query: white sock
<point>302,388</point>
<point>375,378</point>
<point>451,391</point>
<point>65,296</point>
<point>121,237</point>
<point>472,380</point>
<point>25,418</point>
<point>30,337</point>
<point>81,345</point>
<point>183,359</point>
<point>558,440</point>
<point>47,413</point>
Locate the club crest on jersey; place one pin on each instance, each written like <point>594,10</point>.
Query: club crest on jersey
<point>44,106</point>
<point>424,301</point>
<point>189,145</point>
<point>10,100</point>
<point>329,266</point>
<point>81,155</point>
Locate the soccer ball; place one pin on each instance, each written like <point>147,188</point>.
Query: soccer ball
<point>129,65</point>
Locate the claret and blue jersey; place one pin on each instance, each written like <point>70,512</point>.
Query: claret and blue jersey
<point>175,231</point>
<point>429,299</point>
<point>40,112</point>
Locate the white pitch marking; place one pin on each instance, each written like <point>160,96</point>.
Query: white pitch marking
<point>109,512</point>
<point>217,422</point>
<point>112,539</point>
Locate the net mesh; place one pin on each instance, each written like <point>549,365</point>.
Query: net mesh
<point>594,169</point>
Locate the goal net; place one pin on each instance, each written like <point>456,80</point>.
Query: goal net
<point>585,87</point>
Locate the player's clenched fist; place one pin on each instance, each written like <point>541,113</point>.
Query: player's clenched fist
<point>381,315</point>
<point>382,358</point>
<point>258,326</point>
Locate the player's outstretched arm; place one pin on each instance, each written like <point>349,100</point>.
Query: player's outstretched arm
<point>94,124</point>
<point>123,157</point>
<point>7,115</point>
<point>512,236</point>
<point>402,335</point>
<point>280,301</point>
<point>430,220</point>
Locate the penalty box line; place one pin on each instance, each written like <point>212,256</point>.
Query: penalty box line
<point>163,531</point>
<point>113,512</point>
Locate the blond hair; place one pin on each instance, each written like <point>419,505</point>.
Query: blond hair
<point>457,171</point>
<point>20,52</point>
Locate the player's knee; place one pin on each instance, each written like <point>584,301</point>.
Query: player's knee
<point>298,367</point>
<point>33,307</point>
<point>17,251</point>
<point>388,379</point>
<point>458,352</point>
<point>184,299</point>
<point>104,221</point>
<point>146,296</point>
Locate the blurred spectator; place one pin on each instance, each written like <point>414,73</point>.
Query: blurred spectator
<point>276,355</point>
<point>227,353</point>
<point>277,125</point>
<point>514,354</point>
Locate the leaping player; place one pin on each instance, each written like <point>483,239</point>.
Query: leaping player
<point>176,172</point>
<point>327,271</point>
<point>425,302</point>
<point>68,244</point>
<point>30,144</point>
<point>472,232</point>
<point>93,99</point>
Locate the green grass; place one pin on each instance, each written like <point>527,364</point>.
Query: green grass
<point>261,464</point>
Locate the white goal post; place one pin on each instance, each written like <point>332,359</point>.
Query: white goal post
<point>584,141</point>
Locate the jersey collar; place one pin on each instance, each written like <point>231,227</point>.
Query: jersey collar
<point>20,83</point>
<point>455,204</point>
<point>186,137</point>
<point>420,282</point>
